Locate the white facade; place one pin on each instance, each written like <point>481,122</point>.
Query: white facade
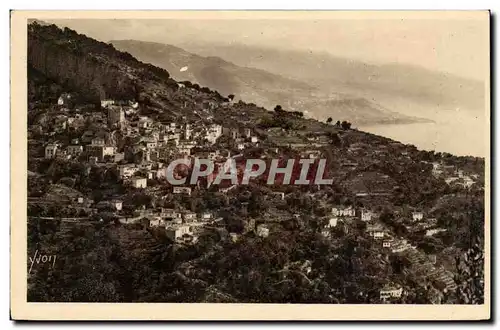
<point>126,171</point>
<point>206,216</point>
<point>431,232</point>
<point>175,233</point>
<point>50,150</point>
<point>262,231</point>
<point>117,204</point>
<point>75,150</point>
<point>98,141</point>
<point>417,216</point>
<point>105,103</point>
<point>139,182</point>
<point>182,190</point>
<point>188,132</point>
<point>343,211</point>
<point>332,222</point>
<point>156,222</point>
<point>214,132</point>
<point>391,292</point>
<point>145,122</point>
<point>189,216</point>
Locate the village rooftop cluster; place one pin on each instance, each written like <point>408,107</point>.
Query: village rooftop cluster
<point>116,139</point>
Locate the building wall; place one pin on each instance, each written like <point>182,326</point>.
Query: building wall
<point>139,183</point>
<point>50,151</point>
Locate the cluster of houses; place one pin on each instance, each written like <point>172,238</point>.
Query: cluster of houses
<point>138,145</point>
<point>179,226</point>
<point>346,214</point>
<point>422,266</point>
<point>419,223</point>
<point>453,176</point>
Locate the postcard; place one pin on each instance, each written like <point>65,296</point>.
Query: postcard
<point>250,165</point>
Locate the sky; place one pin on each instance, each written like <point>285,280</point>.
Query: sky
<point>458,45</point>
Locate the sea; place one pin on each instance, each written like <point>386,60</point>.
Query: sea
<point>458,132</point>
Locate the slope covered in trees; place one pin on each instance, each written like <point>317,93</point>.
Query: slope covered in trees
<point>88,65</point>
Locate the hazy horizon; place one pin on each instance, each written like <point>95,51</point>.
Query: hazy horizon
<point>454,46</point>
<point>451,46</point>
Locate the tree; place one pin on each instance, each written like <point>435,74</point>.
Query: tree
<point>337,123</point>
<point>346,125</point>
<point>230,97</point>
<point>335,139</point>
<point>470,275</point>
<point>329,120</point>
<point>278,108</point>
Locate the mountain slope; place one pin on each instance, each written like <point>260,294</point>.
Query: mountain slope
<point>260,86</point>
<point>208,71</point>
<point>96,71</point>
<point>324,70</point>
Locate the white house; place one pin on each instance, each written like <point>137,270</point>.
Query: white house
<point>206,216</point>
<point>188,132</point>
<point>182,190</point>
<point>234,237</point>
<point>50,150</point>
<point>100,151</point>
<point>188,217</point>
<point>145,122</point>
<point>431,232</point>
<point>391,291</point>
<point>156,222</point>
<point>262,231</point>
<point>417,216</point>
<point>332,222</point>
<point>468,182</point>
<point>98,141</point>
<point>138,182</point>
<point>213,133</point>
<point>341,211</point>
<point>171,214</point>
<point>127,170</point>
<point>177,232</point>
<point>105,103</point>
<point>75,150</point>
<point>117,204</point>
<point>375,231</point>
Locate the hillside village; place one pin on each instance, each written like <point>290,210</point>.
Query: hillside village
<point>397,225</point>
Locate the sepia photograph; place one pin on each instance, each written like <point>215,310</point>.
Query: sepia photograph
<point>251,165</point>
